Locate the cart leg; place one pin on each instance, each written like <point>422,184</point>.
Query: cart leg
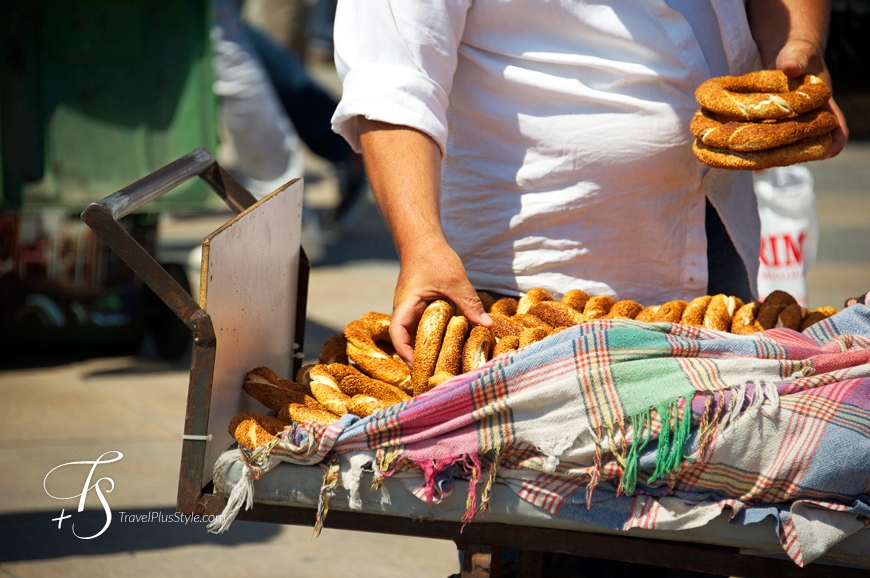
<point>480,560</point>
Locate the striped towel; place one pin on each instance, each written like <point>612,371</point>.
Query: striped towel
<point>627,424</point>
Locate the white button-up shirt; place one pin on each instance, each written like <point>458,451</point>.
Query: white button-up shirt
<point>565,131</point>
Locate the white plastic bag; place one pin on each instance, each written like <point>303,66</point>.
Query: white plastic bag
<point>789,230</point>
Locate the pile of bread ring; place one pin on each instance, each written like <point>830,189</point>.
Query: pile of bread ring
<point>360,373</point>
<point>761,120</point>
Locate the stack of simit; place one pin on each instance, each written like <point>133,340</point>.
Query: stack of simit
<point>761,120</point>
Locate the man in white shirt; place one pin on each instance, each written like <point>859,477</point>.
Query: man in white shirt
<point>524,143</point>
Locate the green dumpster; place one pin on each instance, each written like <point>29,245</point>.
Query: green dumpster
<point>94,94</point>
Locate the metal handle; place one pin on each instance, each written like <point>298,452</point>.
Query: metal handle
<point>102,216</point>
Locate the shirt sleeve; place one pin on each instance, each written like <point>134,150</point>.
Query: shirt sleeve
<point>396,60</point>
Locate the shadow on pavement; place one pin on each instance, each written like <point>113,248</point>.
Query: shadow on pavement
<point>35,536</point>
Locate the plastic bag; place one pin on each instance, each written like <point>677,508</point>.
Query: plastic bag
<point>789,230</point>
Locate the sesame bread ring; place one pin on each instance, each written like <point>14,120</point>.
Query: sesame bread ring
<point>534,296</point>
<point>671,312</point>
<point>326,390</point>
<point>273,396</point>
<point>809,149</point>
<point>790,317</point>
<point>506,306</point>
<point>366,405</point>
<point>427,344</point>
<point>478,348</point>
<point>763,94</point>
<point>597,307</point>
<point>503,326</point>
<point>527,320</point>
<point>816,315</point>
<point>556,314</point>
<point>373,360</point>
<point>353,385</point>
<point>648,314</point>
<point>576,299</point>
<point>756,136</point>
<point>695,310</point>
<point>533,335</point>
<point>296,413</point>
<point>252,430</point>
<point>450,356</point>
<point>439,377</point>
<point>720,312</point>
<point>505,344</point>
<point>334,350</point>
<point>744,321</point>
<point>772,306</point>
<point>625,309</point>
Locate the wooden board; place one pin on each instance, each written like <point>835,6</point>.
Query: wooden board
<point>250,269</point>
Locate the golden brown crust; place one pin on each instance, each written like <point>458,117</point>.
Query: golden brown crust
<point>810,149</point>
<point>671,312</point>
<point>272,396</point>
<point>360,384</point>
<point>744,321</point>
<point>756,136</point>
<point>478,348</point>
<point>648,314</point>
<point>720,312</point>
<point>252,430</point>
<point>695,310</point>
<point>556,314</point>
<point>372,359</point>
<point>772,306</point>
<point>505,344</point>
<point>762,94</point>
<point>506,306</point>
<point>625,309</point>
<point>790,317</point>
<point>366,405</point>
<point>505,326</point>
<point>439,377</point>
<point>427,345</point>
<point>296,413</point>
<point>597,307</point>
<point>817,315</point>
<point>302,377</point>
<point>267,376</point>
<point>334,350</point>
<point>450,356</point>
<point>576,299</point>
<point>528,320</point>
<point>533,335</point>
<point>325,389</point>
<point>534,296</point>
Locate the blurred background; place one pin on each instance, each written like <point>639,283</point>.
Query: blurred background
<point>95,94</point>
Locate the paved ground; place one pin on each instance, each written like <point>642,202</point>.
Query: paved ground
<point>59,410</point>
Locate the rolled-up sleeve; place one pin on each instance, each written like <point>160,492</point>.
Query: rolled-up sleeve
<point>396,60</point>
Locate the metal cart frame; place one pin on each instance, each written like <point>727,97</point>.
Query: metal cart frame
<point>481,541</point>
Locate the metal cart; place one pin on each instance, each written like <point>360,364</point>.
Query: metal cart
<point>241,263</point>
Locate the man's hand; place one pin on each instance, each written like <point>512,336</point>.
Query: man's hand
<point>404,169</point>
<point>791,36</point>
<point>430,273</point>
<point>800,57</point>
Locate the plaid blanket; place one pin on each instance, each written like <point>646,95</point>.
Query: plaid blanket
<point>626,424</point>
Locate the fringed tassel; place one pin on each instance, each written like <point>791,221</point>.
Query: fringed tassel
<point>473,466</point>
<point>256,462</point>
<point>490,480</point>
<point>677,425</point>
<point>595,476</point>
<point>242,495</point>
<point>330,482</point>
<point>641,430</point>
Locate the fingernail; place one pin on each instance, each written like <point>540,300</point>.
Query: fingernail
<point>485,318</point>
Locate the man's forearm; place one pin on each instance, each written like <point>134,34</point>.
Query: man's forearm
<point>775,23</point>
<point>404,169</point>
